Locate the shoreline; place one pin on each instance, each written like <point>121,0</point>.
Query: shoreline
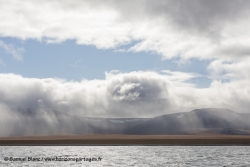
<point>126,140</point>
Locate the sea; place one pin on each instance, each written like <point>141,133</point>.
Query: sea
<point>138,156</point>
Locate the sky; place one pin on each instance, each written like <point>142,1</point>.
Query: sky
<point>139,58</point>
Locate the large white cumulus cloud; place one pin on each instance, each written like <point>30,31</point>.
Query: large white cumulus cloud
<point>135,94</point>
<point>199,28</point>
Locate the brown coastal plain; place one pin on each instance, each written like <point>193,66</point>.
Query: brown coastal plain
<point>116,139</point>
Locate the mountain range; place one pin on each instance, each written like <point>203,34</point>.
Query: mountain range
<point>198,121</point>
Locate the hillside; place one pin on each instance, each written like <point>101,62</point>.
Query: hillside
<point>185,123</point>
<point>199,121</point>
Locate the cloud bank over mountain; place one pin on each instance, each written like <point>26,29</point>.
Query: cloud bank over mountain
<point>135,94</point>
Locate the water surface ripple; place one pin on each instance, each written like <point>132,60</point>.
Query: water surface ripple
<point>139,156</point>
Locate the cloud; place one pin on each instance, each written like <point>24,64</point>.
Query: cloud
<point>16,53</point>
<point>201,29</point>
<point>135,94</point>
<point>230,70</point>
<point>180,78</point>
<point>127,91</point>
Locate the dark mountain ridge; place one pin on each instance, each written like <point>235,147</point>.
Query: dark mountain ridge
<point>52,122</point>
<point>183,123</point>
